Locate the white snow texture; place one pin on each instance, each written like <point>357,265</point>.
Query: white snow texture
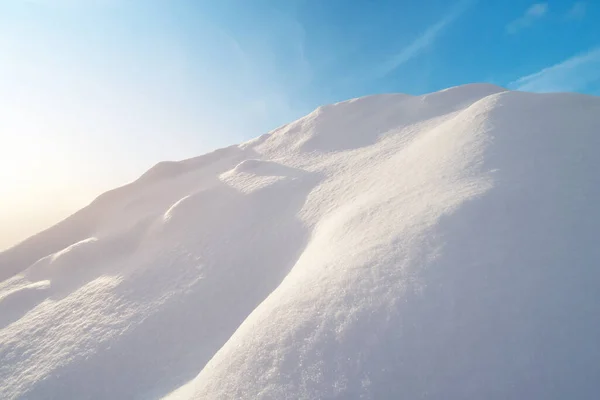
<point>441,246</point>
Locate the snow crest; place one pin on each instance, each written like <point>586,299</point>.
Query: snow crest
<point>439,247</point>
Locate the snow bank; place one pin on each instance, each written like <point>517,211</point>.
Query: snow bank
<point>438,246</point>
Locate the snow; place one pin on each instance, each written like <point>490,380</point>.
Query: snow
<point>439,246</point>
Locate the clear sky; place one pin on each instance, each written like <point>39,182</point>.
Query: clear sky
<point>94,92</point>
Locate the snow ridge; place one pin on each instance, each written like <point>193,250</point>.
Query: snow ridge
<point>438,246</point>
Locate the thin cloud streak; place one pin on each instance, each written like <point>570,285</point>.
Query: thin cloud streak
<point>573,74</point>
<point>578,11</point>
<point>533,14</point>
<point>425,40</point>
<point>269,96</point>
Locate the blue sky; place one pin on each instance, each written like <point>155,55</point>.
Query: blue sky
<point>94,92</point>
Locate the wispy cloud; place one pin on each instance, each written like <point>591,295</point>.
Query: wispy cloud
<point>571,75</point>
<point>578,11</point>
<point>532,14</point>
<point>267,82</point>
<point>422,42</point>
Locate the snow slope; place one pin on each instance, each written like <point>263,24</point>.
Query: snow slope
<point>433,247</point>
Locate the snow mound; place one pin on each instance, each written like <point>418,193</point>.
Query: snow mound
<point>439,246</point>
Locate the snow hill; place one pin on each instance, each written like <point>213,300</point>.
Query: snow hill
<point>442,246</point>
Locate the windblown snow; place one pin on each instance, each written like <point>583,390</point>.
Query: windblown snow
<point>442,246</point>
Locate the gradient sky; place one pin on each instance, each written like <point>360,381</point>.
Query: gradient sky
<point>94,92</point>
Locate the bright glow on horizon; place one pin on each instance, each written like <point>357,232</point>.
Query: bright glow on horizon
<point>90,100</point>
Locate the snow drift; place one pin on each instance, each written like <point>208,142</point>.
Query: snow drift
<point>389,247</point>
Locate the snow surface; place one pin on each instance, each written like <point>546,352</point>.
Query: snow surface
<point>389,247</point>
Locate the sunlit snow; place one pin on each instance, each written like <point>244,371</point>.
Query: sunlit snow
<point>441,246</point>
